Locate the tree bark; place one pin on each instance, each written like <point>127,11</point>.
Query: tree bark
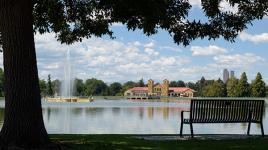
<point>23,121</point>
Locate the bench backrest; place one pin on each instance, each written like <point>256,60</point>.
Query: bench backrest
<point>226,110</point>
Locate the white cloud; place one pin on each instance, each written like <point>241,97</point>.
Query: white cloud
<point>237,60</point>
<point>196,3</point>
<point>151,51</point>
<point>150,44</point>
<point>175,49</point>
<point>109,60</point>
<point>258,38</point>
<point>137,43</point>
<point>207,50</point>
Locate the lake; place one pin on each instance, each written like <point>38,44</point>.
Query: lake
<point>128,117</point>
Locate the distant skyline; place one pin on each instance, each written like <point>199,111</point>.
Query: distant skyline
<point>132,55</point>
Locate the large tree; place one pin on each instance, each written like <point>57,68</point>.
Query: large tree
<point>50,91</point>
<point>180,83</point>
<point>43,87</point>
<point>79,87</point>
<point>115,89</point>
<point>95,87</point>
<point>73,20</point>
<point>258,88</point>
<point>243,87</point>
<point>216,89</point>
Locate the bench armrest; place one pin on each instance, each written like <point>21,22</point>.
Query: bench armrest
<point>182,114</point>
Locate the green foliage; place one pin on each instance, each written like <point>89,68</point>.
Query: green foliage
<point>232,85</point>
<point>115,89</point>
<point>243,88</point>
<point>75,20</point>
<point>179,83</point>
<point>266,91</point>
<point>128,85</point>
<point>258,87</point>
<point>43,87</point>
<point>140,83</point>
<point>192,85</point>
<point>95,87</point>
<point>216,89</point>
<point>173,84</point>
<point>201,84</point>
<point>50,91</point>
<point>79,87</point>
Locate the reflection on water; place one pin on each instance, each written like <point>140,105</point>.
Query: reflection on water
<point>127,117</point>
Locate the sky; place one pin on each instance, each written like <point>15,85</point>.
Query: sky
<point>132,55</point>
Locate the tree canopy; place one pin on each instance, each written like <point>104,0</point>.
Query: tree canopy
<point>73,20</point>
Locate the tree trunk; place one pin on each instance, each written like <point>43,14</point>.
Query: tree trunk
<point>23,121</point>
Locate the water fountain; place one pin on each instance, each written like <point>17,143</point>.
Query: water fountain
<point>67,86</point>
<point>66,90</point>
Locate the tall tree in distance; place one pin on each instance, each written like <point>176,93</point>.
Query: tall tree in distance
<point>243,88</point>
<point>191,85</point>
<point>180,83</point>
<point>258,87</point>
<point>231,86</point>
<point>223,88</point>
<point>115,89</point>
<point>43,87</point>
<point>216,89</point>
<point>95,87</point>
<point>73,21</point>
<point>79,87</point>
<point>49,87</point>
<point>201,85</point>
<point>128,85</point>
<point>173,84</point>
<point>140,83</point>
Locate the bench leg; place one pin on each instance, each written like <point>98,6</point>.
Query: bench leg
<point>262,130</point>
<point>192,131</point>
<point>181,129</point>
<point>249,124</point>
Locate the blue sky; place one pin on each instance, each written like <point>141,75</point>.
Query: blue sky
<point>132,55</point>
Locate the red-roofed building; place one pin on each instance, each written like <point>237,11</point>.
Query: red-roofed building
<point>160,90</point>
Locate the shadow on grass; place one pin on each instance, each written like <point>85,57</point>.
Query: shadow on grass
<point>129,142</point>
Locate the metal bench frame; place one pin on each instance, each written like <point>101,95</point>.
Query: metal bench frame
<point>224,111</point>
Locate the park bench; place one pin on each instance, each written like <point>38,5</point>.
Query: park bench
<point>224,111</point>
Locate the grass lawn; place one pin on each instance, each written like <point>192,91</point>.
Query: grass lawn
<point>130,142</point>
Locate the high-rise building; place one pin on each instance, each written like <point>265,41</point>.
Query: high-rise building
<point>232,75</point>
<point>225,75</point>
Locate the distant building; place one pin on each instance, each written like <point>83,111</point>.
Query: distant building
<point>225,75</point>
<point>159,90</point>
<point>232,74</point>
